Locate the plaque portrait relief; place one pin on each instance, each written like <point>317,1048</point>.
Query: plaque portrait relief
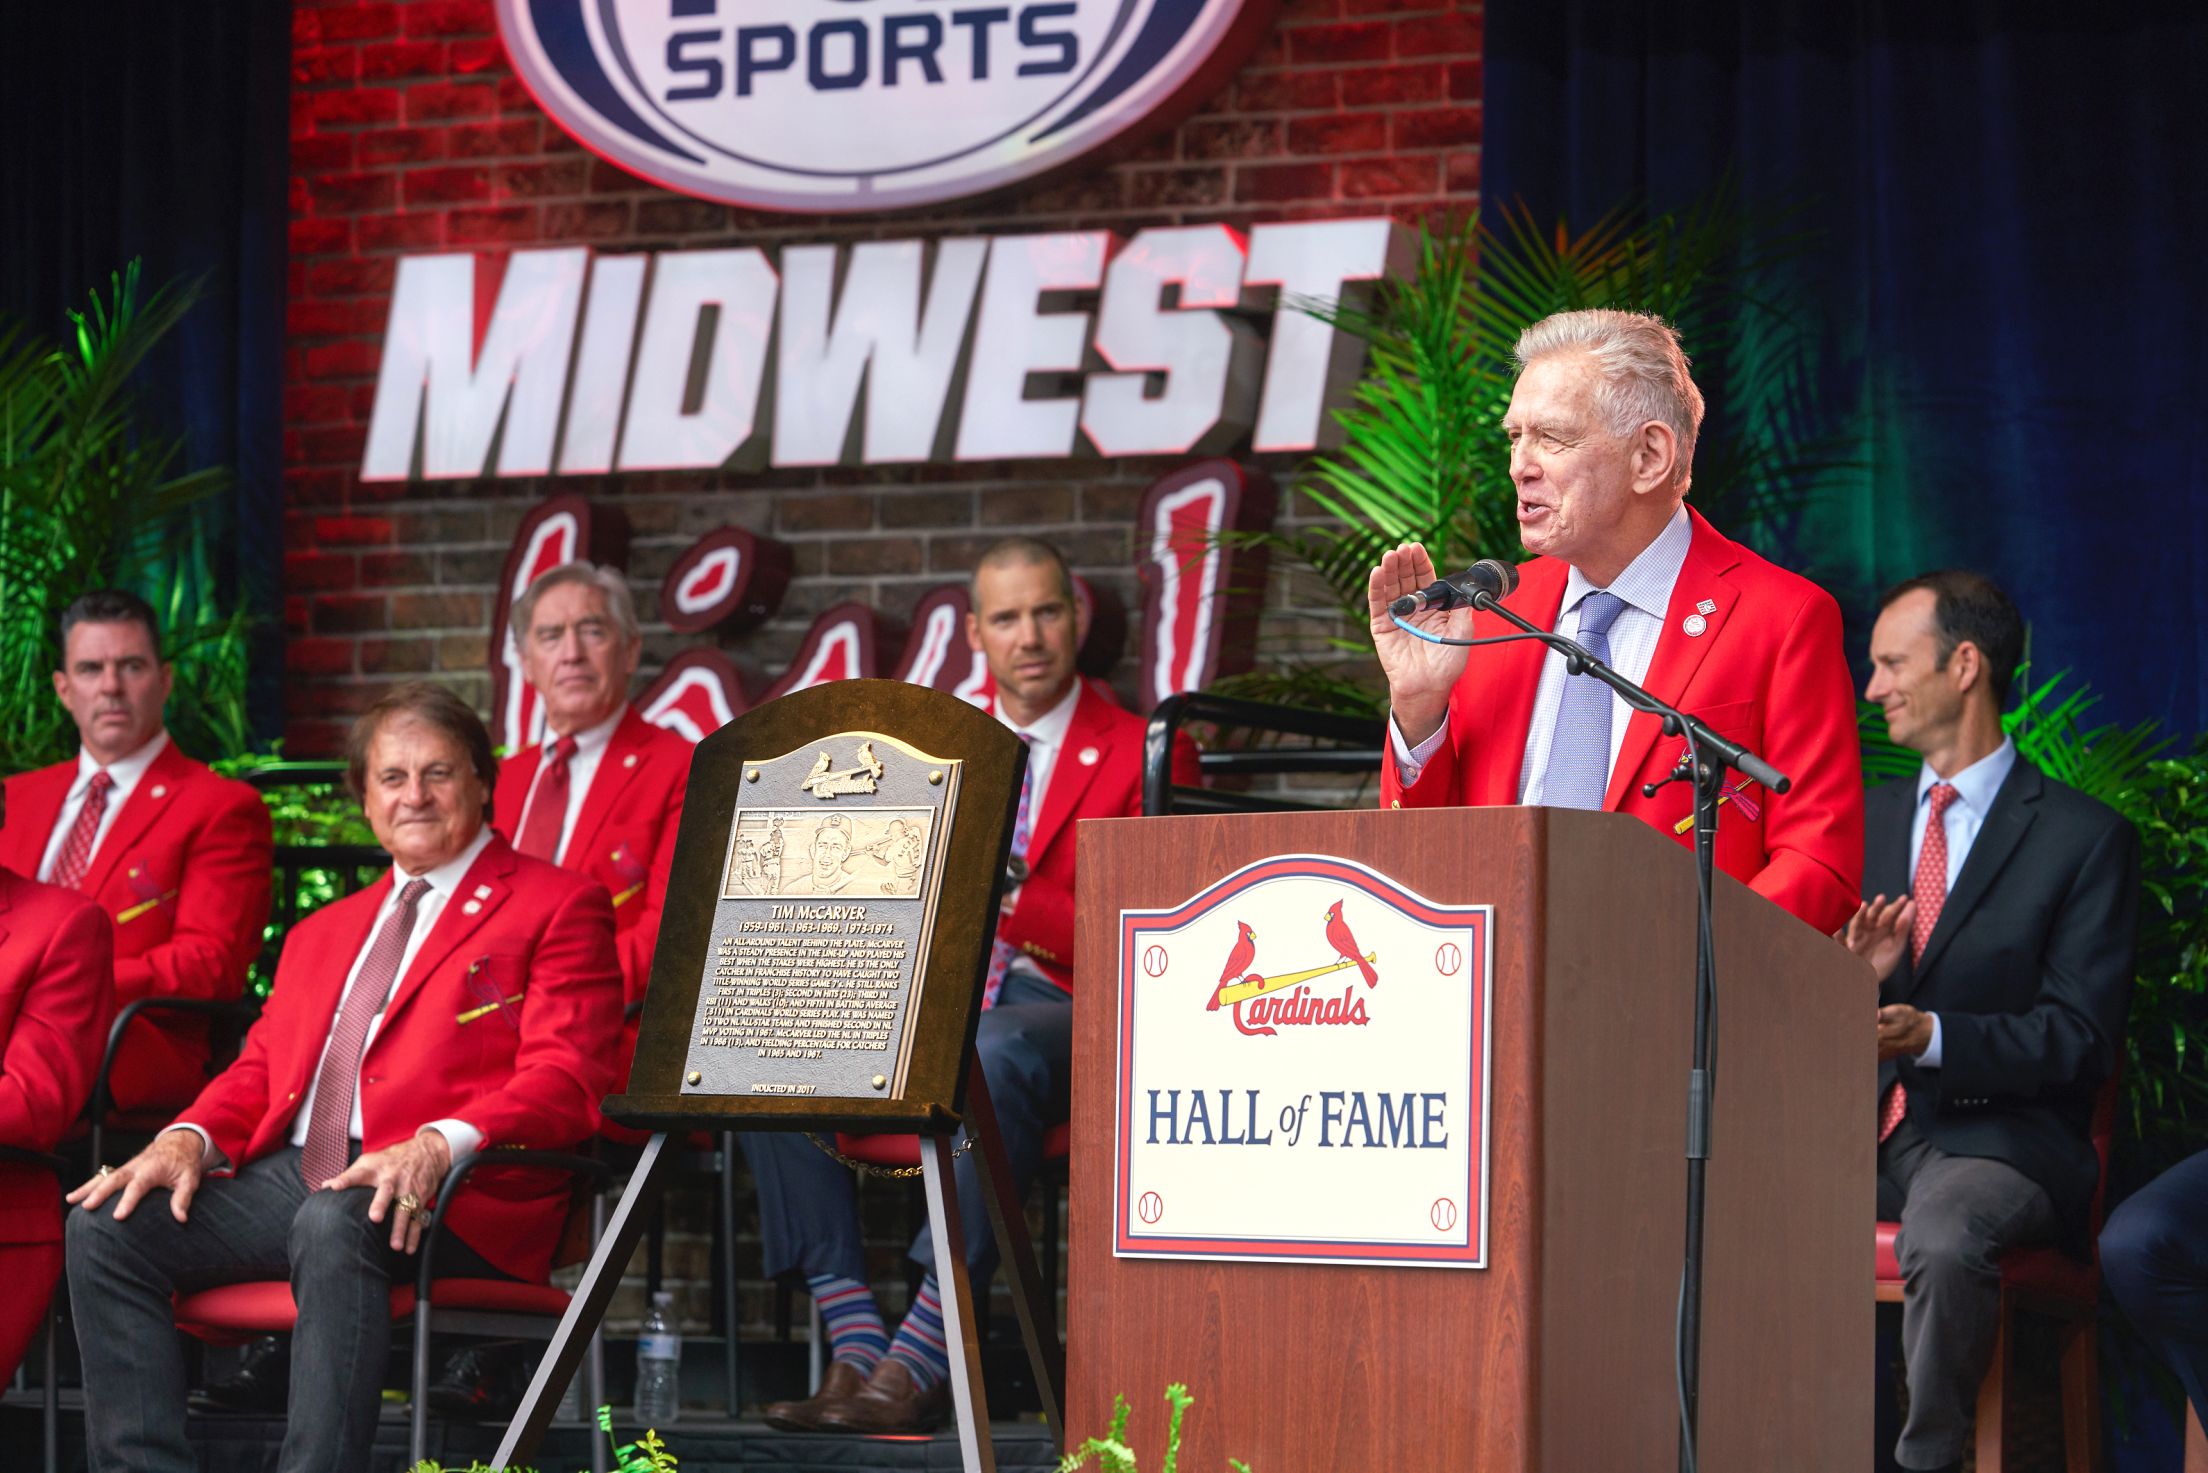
<point>822,921</point>
<point>875,852</point>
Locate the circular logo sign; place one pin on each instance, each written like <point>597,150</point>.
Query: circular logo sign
<point>1153,961</point>
<point>852,105</point>
<point>1150,1207</point>
<point>1443,1214</point>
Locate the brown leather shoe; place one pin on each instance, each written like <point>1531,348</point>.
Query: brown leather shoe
<point>890,1402</point>
<point>842,1382</point>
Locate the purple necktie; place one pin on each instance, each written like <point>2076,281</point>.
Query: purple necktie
<point>1579,753</point>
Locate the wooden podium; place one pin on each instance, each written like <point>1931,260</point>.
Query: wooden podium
<point>1558,1356</point>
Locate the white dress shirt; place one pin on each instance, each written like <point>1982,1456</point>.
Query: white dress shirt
<point>590,750</point>
<point>1645,586</point>
<point>1046,739</point>
<point>124,774</point>
<point>443,881</point>
<point>1975,787</point>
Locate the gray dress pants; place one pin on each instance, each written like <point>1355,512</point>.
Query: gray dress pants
<point>1958,1214</point>
<point>260,1224</point>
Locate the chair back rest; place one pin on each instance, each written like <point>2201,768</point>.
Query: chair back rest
<point>579,1232</point>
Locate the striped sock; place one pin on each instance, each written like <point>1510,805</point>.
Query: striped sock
<point>919,1343</point>
<point>855,1330</point>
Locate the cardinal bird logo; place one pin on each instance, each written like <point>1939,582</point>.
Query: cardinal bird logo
<point>1345,945</point>
<point>1238,963</point>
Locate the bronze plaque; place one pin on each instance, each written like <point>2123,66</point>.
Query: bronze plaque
<point>821,929</point>
<point>829,916</point>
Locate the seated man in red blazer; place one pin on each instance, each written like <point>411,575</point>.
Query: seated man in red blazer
<point>1084,761</point>
<point>177,857</point>
<point>56,987</point>
<point>602,793</point>
<point>1602,425</point>
<point>461,1004</point>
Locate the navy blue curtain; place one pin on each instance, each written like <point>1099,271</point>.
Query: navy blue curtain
<point>2009,205</point>
<point>161,132</point>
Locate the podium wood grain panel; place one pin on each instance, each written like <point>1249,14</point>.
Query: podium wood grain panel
<point>1559,1355</point>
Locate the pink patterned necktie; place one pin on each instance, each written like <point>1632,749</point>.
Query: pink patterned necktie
<point>1002,951</point>
<point>76,850</point>
<point>328,1126</point>
<point>1930,895</point>
<point>540,832</point>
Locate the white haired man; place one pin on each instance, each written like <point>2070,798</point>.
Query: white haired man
<point>1602,424</point>
<point>601,795</point>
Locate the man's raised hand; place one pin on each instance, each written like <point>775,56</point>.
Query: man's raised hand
<point>1879,930</point>
<point>1420,674</point>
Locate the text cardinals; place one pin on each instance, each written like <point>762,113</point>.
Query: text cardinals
<point>1260,1004</point>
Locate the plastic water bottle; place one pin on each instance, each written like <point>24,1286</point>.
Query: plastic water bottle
<point>659,1365</point>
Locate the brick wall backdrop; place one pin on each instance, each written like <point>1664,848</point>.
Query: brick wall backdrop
<point>410,133</point>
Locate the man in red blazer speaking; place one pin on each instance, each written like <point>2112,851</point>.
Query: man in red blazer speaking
<point>1084,760</point>
<point>602,793</point>
<point>56,986</point>
<point>1602,425</point>
<point>177,857</point>
<point>460,1004</point>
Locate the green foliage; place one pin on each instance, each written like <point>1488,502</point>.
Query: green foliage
<point>303,814</point>
<point>1423,456</point>
<point>2165,1090</point>
<point>1112,1453</point>
<point>91,497</point>
<point>645,1455</point>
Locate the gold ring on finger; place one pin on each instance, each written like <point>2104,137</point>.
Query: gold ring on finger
<point>410,1204</point>
<point>103,1173</point>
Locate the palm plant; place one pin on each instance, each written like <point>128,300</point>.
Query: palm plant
<point>1423,456</point>
<point>91,497</point>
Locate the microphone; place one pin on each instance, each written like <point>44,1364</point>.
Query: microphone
<point>1490,577</point>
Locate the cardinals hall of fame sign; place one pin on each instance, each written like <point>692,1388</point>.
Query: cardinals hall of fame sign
<point>1303,1072</point>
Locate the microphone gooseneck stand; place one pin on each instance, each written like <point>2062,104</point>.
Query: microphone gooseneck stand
<point>1708,756</point>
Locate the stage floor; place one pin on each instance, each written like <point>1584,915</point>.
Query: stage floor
<point>705,1442</point>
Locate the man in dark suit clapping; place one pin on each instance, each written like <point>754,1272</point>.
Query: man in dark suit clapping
<point>2001,920</point>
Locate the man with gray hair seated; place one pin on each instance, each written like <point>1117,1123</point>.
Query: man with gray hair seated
<point>1602,425</point>
<point>600,794</point>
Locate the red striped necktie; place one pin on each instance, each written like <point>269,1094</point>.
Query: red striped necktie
<point>1931,897</point>
<point>540,832</point>
<point>1002,952</point>
<point>76,850</point>
<point>329,1124</point>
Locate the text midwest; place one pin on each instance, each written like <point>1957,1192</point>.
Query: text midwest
<point>1176,341</point>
